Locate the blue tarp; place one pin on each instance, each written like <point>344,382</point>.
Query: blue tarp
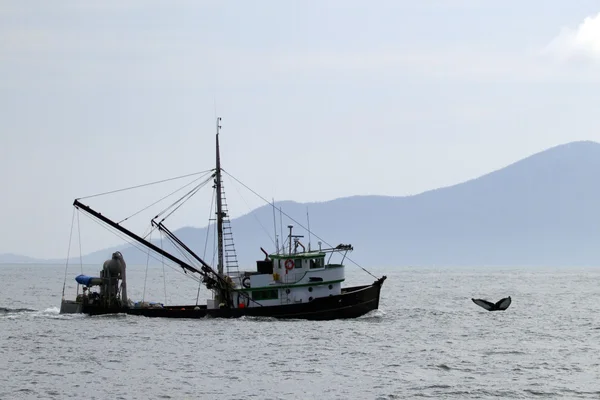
<point>84,279</point>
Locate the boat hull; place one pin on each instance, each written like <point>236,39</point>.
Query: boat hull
<point>352,303</point>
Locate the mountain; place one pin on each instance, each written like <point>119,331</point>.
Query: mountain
<point>542,210</point>
<point>9,258</point>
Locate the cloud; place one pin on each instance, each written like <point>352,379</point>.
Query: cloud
<point>581,43</point>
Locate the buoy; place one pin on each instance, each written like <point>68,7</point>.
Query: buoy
<point>289,265</point>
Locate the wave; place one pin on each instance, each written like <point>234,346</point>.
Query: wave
<point>51,312</point>
<point>373,315</point>
<point>5,310</point>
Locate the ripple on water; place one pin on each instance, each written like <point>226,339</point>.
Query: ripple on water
<point>429,343</point>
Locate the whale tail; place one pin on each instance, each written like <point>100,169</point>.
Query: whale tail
<point>484,303</point>
<point>503,304</point>
<point>500,305</point>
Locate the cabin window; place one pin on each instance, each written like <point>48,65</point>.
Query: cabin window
<point>298,263</point>
<point>265,294</point>
<point>316,262</point>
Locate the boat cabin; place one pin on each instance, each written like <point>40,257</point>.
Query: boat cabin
<point>290,278</point>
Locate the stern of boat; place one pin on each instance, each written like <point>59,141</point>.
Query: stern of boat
<point>71,307</point>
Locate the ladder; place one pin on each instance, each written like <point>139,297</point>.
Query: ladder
<point>231,262</point>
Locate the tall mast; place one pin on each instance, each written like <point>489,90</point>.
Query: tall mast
<point>219,205</point>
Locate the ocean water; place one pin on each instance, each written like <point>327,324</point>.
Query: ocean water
<point>428,340</point>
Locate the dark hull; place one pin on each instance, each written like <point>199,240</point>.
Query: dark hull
<point>352,303</point>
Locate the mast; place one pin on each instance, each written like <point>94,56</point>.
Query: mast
<point>219,205</point>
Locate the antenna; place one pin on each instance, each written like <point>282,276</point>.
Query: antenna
<point>281,229</point>
<point>275,228</point>
<point>308,222</point>
<point>295,238</point>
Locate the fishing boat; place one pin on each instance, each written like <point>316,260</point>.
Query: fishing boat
<point>292,282</point>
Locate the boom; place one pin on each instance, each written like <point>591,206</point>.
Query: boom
<point>211,278</point>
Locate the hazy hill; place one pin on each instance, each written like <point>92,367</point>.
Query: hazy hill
<point>542,210</point>
<point>10,258</point>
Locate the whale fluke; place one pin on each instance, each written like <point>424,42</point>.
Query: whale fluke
<point>500,305</point>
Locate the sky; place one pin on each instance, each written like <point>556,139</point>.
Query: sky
<point>319,99</point>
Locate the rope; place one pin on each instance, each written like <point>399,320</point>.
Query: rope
<point>214,249</point>
<point>163,265</point>
<point>212,202</point>
<point>182,202</point>
<point>302,226</point>
<point>139,247</point>
<point>184,253</point>
<point>177,269</point>
<point>80,254</point>
<point>183,199</point>
<point>68,252</point>
<point>255,217</point>
<point>143,185</point>
<point>146,275</point>
<point>159,200</point>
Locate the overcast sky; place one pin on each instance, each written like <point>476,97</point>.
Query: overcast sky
<point>319,99</point>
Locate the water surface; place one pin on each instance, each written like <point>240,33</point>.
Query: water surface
<point>428,340</point>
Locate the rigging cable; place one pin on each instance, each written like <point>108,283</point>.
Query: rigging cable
<point>212,202</point>
<point>68,252</point>
<point>151,229</point>
<point>186,255</point>
<point>163,265</point>
<point>159,200</point>
<point>215,247</point>
<point>139,247</point>
<point>254,215</point>
<point>302,226</point>
<point>183,199</point>
<point>146,275</point>
<point>189,195</point>
<point>80,254</point>
<point>143,185</point>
